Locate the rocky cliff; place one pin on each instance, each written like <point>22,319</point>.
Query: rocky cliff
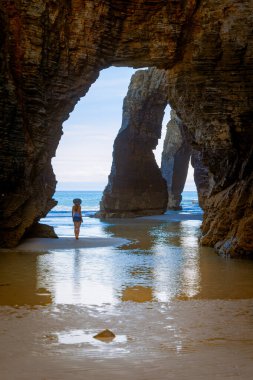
<point>201,177</point>
<point>51,52</point>
<point>210,89</point>
<point>136,186</point>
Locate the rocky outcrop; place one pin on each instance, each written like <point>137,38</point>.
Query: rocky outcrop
<point>40,230</point>
<point>51,52</point>
<point>228,222</point>
<point>211,92</point>
<point>175,160</point>
<point>136,186</point>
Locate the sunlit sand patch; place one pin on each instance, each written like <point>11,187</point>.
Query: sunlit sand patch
<point>67,243</point>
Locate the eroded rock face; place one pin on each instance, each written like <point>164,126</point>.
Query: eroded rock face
<point>136,186</point>
<point>211,92</point>
<point>201,177</point>
<point>175,160</point>
<point>51,52</point>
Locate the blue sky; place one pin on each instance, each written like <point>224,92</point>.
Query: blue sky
<point>84,155</point>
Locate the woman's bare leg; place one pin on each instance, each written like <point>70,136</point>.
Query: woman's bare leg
<point>77,229</point>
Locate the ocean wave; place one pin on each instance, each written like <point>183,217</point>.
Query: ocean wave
<point>60,208</point>
<point>67,214</point>
<point>60,212</point>
<point>65,210</point>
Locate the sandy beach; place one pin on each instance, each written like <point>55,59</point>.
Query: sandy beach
<point>62,243</point>
<point>181,340</point>
<point>171,304</point>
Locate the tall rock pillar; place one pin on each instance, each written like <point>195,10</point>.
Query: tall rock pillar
<point>136,186</point>
<point>175,160</point>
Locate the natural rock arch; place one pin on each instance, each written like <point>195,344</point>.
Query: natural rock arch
<point>51,52</point>
<point>136,186</point>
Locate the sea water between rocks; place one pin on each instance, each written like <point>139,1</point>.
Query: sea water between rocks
<point>178,310</point>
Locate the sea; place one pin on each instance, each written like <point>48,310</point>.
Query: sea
<point>60,216</point>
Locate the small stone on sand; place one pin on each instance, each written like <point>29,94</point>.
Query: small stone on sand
<point>105,334</point>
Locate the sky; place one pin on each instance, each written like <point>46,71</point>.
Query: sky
<point>84,155</point>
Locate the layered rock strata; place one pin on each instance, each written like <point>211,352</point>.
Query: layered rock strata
<point>51,52</point>
<point>175,160</point>
<point>201,176</point>
<point>136,186</point>
<point>211,91</point>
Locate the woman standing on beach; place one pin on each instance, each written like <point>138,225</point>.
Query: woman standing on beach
<point>77,216</point>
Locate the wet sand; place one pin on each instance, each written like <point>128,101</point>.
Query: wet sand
<point>172,216</point>
<point>178,310</point>
<point>45,244</point>
<point>181,340</point>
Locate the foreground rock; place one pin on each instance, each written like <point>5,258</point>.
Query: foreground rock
<point>228,224</point>
<point>136,186</point>
<point>41,231</point>
<point>105,335</point>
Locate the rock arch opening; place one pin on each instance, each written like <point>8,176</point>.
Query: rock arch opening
<point>137,185</point>
<point>177,158</point>
<point>83,158</point>
<point>84,155</point>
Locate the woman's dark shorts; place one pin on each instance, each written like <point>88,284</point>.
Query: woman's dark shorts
<point>77,219</point>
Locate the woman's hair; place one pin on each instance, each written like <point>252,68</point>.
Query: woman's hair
<point>76,208</point>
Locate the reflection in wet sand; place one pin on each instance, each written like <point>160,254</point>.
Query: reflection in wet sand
<point>151,268</point>
<point>137,294</point>
<point>19,281</point>
<point>136,291</point>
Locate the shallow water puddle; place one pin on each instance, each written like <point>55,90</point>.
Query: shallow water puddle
<point>81,336</point>
<point>154,269</point>
<point>82,343</point>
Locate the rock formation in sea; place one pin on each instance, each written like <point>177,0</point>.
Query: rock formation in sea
<point>51,52</point>
<point>175,160</point>
<point>136,186</point>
